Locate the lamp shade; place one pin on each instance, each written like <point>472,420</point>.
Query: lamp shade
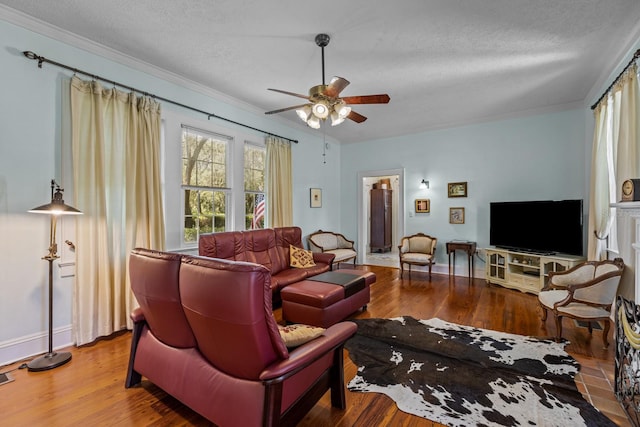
<point>313,122</point>
<point>336,119</point>
<point>304,112</point>
<point>321,110</point>
<point>56,207</point>
<point>342,109</point>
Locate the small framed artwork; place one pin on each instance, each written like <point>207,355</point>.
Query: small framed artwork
<point>315,197</point>
<point>456,215</point>
<point>423,206</point>
<point>457,189</point>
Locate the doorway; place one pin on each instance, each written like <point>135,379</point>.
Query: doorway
<point>366,181</point>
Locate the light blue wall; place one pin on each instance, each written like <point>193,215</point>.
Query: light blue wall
<point>535,157</point>
<point>541,156</point>
<point>30,147</point>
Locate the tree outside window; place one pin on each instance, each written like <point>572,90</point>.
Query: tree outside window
<point>255,198</point>
<point>204,182</point>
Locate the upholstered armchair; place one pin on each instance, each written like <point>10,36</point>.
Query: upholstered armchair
<point>205,334</point>
<point>335,243</point>
<point>418,249</point>
<point>585,292</point>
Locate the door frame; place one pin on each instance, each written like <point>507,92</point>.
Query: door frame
<point>363,217</point>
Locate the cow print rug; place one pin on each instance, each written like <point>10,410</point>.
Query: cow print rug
<point>462,376</point>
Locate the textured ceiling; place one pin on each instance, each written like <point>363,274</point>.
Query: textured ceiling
<point>443,62</point>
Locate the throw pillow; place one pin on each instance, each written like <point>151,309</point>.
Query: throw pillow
<point>297,334</point>
<point>300,258</point>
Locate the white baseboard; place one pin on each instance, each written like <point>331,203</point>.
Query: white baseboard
<point>32,345</point>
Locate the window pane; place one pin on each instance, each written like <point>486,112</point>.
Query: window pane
<point>204,165</point>
<point>255,209</point>
<point>204,159</point>
<point>205,212</point>
<point>254,158</point>
<point>254,199</point>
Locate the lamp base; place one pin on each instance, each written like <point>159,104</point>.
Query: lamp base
<point>49,361</point>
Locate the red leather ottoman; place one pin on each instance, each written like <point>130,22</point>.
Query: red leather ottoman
<point>316,302</point>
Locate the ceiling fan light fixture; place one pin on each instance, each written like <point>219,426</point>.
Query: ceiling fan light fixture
<point>313,122</point>
<point>321,110</point>
<point>336,119</point>
<point>342,109</point>
<point>304,112</point>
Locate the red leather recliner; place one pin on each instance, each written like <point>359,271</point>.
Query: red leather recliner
<point>205,333</point>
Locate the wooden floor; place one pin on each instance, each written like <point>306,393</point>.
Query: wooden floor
<point>90,389</point>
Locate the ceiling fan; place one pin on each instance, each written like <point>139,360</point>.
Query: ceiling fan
<point>325,101</point>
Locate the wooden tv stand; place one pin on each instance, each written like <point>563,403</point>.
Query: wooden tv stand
<point>526,272</point>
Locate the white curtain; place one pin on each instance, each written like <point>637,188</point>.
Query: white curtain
<point>279,182</point>
<point>115,138</point>
<point>615,158</point>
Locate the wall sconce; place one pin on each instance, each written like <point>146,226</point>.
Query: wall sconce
<point>424,185</point>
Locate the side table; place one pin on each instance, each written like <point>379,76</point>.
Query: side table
<point>468,247</point>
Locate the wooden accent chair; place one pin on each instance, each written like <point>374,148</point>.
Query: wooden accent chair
<point>584,292</point>
<point>417,249</point>
<point>334,243</point>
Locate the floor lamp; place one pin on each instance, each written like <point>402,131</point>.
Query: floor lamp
<point>57,207</point>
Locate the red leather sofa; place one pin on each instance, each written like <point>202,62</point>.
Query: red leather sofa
<point>205,333</point>
<point>268,247</point>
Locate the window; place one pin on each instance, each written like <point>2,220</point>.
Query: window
<point>254,160</point>
<point>205,178</point>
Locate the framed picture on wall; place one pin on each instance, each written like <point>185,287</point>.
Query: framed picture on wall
<point>423,206</point>
<point>315,197</point>
<point>456,215</point>
<point>457,189</point>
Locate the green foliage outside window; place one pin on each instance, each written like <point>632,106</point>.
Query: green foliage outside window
<point>204,180</point>
<point>254,166</point>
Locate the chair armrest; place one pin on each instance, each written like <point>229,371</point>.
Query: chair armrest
<point>313,246</point>
<point>344,243</point>
<point>137,315</point>
<point>306,354</point>
<point>323,257</point>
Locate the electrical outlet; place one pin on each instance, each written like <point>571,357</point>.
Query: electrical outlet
<point>5,378</point>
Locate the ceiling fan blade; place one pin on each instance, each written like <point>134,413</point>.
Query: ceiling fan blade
<point>336,85</point>
<point>367,99</point>
<point>356,117</point>
<point>285,109</point>
<point>289,93</point>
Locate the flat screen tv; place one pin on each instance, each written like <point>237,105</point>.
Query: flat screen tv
<point>541,226</point>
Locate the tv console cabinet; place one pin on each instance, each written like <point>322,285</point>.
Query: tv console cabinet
<point>526,272</point>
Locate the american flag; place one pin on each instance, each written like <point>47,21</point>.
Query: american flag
<point>258,211</point>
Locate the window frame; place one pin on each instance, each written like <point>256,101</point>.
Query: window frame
<point>262,147</point>
<point>227,190</point>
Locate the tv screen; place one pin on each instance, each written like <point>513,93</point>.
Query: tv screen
<point>542,226</point>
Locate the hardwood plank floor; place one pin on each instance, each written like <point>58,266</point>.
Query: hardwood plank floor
<point>90,389</point>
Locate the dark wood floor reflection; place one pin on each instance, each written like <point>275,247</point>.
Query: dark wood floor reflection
<point>90,390</point>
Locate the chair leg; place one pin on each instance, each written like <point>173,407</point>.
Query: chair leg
<point>133,377</point>
<point>544,313</point>
<point>590,327</point>
<point>338,397</point>
<point>605,333</point>
<point>430,271</point>
<point>558,328</point>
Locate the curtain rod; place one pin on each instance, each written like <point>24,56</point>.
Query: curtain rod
<point>41,59</point>
<point>635,56</point>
